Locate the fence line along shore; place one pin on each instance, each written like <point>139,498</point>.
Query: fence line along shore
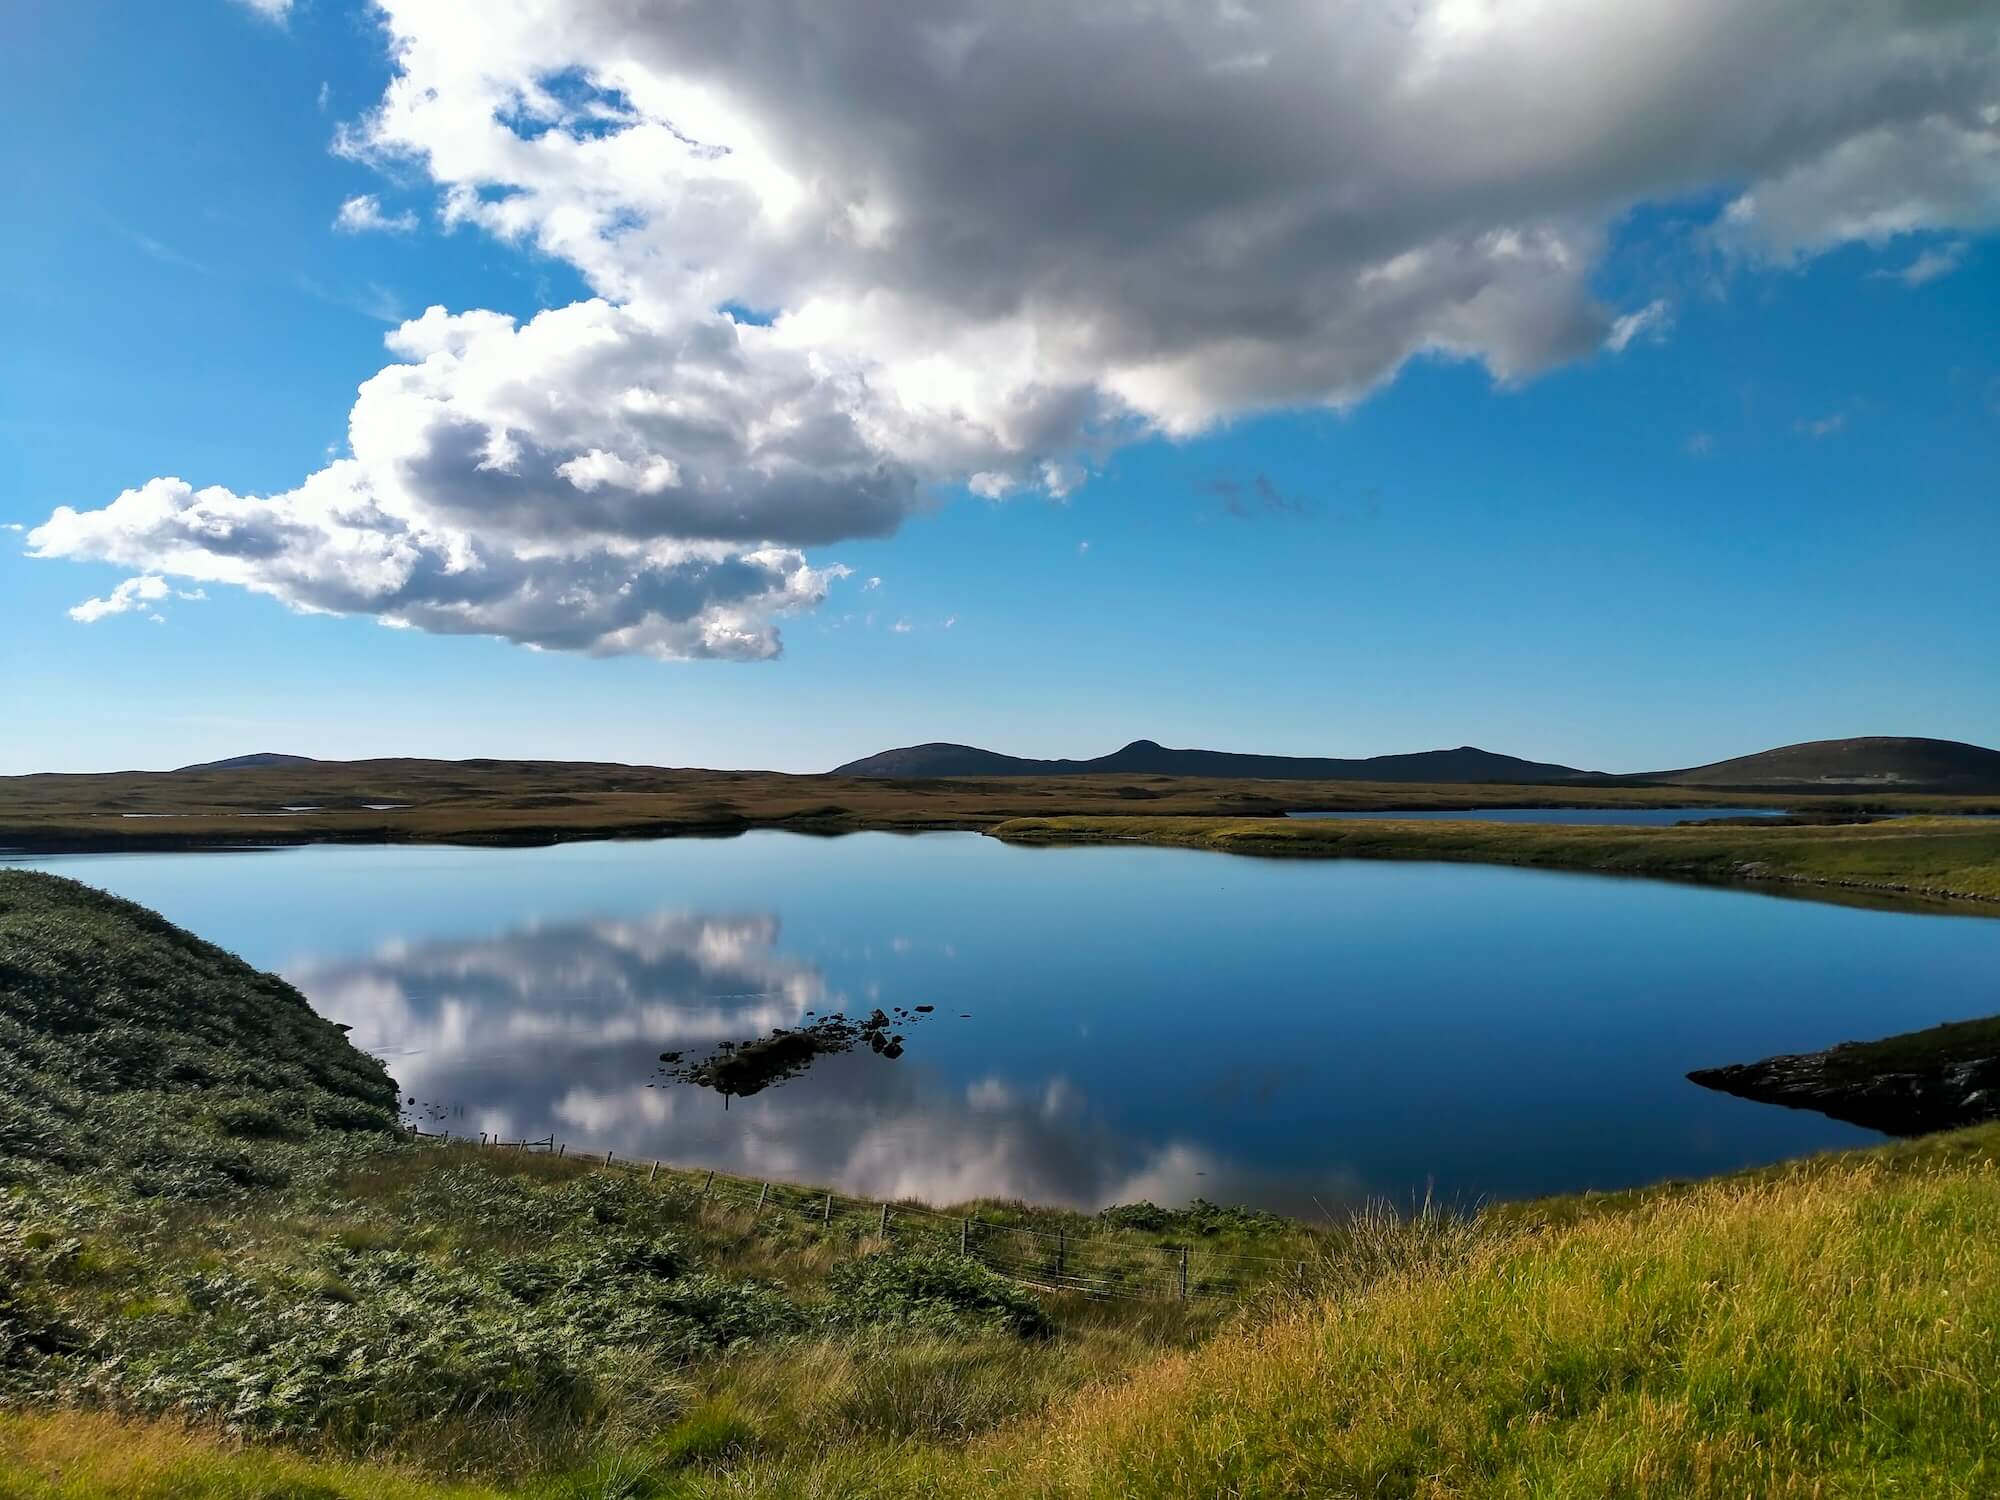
<point>1091,1265</point>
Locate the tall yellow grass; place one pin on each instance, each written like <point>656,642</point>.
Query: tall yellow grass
<point>1819,1335</point>
<point>75,1455</point>
<point>1828,1331</point>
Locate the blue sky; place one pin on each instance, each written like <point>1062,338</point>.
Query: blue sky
<point>1770,516</point>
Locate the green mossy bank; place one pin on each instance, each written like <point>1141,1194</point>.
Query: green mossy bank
<point>126,1043</point>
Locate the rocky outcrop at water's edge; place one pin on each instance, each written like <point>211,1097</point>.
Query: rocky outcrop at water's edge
<point>1879,1086</point>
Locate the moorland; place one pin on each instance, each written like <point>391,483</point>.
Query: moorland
<point>1919,844</point>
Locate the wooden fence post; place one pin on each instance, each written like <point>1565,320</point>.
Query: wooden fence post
<point>965,1236</point>
<point>1184,1260</point>
<point>607,1158</point>
<point>708,1184</point>
<point>560,1150</point>
<point>1062,1251</point>
<point>826,1213</point>
<point>762,1194</point>
<point>654,1175</point>
<point>884,1229</point>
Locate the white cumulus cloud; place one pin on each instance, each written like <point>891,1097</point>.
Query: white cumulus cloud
<point>843,256</point>
<point>1649,321</point>
<point>362,214</point>
<point>133,594</point>
<point>1930,264</point>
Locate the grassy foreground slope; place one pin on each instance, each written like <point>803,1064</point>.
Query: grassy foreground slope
<point>1830,1329</point>
<point>125,1041</point>
<point>1942,858</point>
<point>1833,1333</point>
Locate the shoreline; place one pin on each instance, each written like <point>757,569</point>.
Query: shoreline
<point>1923,857</point>
<point>1945,861</point>
<point>1938,863</point>
<point>1633,852</point>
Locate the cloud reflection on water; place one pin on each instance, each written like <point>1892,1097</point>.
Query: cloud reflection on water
<point>558,1026</point>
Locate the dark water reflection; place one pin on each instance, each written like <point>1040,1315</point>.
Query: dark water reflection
<point>1142,1022</point>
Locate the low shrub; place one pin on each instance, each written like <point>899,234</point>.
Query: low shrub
<point>1200,1218</point>
<point>716,1429</point>
<point>937,1389</point>
<point>934,1289</point>
<point>253,1120</point>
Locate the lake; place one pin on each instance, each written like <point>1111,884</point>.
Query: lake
<point>1634,817</point>
<point>1111,1023</point>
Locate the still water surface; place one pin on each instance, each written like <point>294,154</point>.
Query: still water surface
<point>1143,1023</point>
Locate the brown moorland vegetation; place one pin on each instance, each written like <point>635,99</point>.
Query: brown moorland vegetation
<point>536,802</point>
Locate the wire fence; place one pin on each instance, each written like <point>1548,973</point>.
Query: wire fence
<point>1052,1260</point>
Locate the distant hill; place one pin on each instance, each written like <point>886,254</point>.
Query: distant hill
<point>1875,763</point>
<point>1147,758</point>
<point>263,760</point>
<point>1882,763</point>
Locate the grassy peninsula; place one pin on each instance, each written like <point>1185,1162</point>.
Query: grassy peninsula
<point>202,1300</point>
<point>1947,859</point>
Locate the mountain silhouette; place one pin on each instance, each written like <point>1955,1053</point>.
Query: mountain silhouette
<point>1149,758</point>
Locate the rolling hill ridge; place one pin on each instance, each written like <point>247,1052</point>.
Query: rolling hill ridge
<point>261,760</point>
<point>1870,763</point>
<point>1149,758</point>
<point>1855,767</point>
<point>1884,763</point>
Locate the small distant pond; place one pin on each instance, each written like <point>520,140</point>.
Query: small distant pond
<point>1636,817</point>
<point>1080,1026</point>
